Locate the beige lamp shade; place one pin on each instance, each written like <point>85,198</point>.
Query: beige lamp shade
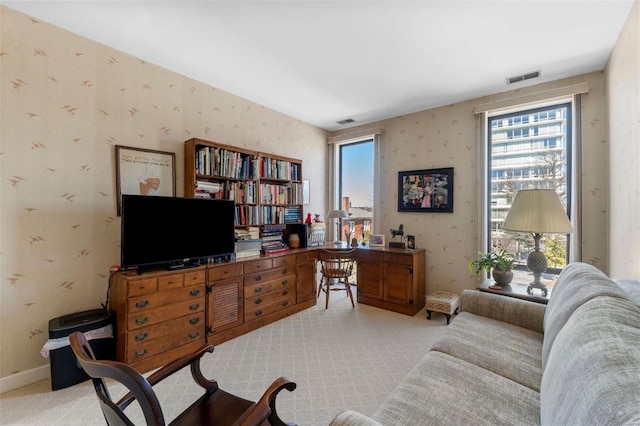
<point>538,211</point>
<point>338,214</point>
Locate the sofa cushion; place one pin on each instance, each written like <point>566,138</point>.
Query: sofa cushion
<point>514,354</point>
<point>577,284</point>
<point>593,371</point>
<point>506,309</point>
<point>444,390</point>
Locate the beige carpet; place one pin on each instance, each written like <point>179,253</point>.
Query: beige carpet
<point>340,358</point>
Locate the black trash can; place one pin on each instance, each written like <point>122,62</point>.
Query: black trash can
<point>65,370</point>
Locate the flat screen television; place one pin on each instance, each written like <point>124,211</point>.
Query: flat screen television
<point>174,232</point>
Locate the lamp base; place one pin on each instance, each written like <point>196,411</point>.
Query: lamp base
<point>537,264</point>
<point>540,286</point>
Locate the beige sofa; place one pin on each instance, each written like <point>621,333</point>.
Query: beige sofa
<point>509,361</point>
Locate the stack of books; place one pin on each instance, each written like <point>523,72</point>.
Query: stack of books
<point>272,239</point>
<point>248,242</point>
<point>206,189</point>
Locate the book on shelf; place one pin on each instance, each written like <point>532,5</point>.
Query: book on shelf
<point>248,253</point>
<point>243,245</point>
<point>276,250</point>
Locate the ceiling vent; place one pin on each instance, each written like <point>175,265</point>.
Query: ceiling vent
<point>523,77</point>
<point>346,121</point>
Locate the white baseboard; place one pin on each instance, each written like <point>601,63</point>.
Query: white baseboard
<point>24,378</point>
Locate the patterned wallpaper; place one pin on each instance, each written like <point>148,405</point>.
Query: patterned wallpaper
<point>623,72</point>
<point>446,137</point>
<point>66,102</point>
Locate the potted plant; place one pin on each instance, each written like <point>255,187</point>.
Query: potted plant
<point>499,263</point>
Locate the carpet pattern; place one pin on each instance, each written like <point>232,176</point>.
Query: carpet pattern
<point>340,358</point>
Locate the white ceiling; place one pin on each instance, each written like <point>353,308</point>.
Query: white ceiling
<point>324,61</point>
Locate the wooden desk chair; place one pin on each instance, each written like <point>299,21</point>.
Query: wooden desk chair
<point>337,265</point>
<point>215,407</point>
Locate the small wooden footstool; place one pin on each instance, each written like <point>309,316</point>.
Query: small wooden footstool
<point>441,301</point>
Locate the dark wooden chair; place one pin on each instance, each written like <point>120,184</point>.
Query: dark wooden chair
<point>215,407</point>
<point>336,265</point>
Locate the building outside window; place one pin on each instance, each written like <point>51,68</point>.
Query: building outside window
<point>529,149</point>
<point>355,188</point>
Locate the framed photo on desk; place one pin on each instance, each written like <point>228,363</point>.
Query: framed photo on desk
<point>376,240</point>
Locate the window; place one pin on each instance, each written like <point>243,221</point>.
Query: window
<point>354,189</point>
<point>529,149</point>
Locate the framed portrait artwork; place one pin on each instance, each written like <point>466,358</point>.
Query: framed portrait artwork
<point>376,240</point>
<point>144,172</point>
<point>429,190</point>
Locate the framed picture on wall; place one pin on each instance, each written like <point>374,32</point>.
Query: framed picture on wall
<point>144,172</point>
<point>429,190</point>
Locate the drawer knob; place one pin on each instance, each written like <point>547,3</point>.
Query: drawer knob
<point>258,301</point>
<point>142,303</point>
<point>258,277</point>
<point>258,313</point>
<point>195,292</point>
<point>194,335</point>
<point>285,282</point>
<point>142,320</point>
<point>284,293</point>
<point>285,303</point>
<point>194,320</point>
<point>194,306</point>
<point>285,272</point>
<point>140,337</point>
<point>142,353</point>
<point>258,289</point>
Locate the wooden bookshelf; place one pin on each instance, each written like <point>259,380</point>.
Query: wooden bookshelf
<point>267,188</point>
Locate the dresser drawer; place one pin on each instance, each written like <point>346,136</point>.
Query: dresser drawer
<point>306,256</point>
<point>257,265</point>
<point>370,255</point>
<point>161,330</point>
<point>268,298</point>
<point>256,312</point>
<point>165,313</point>
<point>157,300</point>
<point>264,286</point>
<point>273,274</point>
<point>142,286</point>
<point>281,261</point>
<point>400,259</point>
<point>221,272</point>
<point>146,349</point>
<point>194,277</point>
<point>170,282</point>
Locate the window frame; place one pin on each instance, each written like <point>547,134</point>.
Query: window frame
<point>572,174</point>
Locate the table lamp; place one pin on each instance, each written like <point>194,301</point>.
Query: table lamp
<point>537,211</point>
<point>339,215</point>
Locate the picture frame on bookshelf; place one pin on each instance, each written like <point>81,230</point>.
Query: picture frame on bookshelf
<point>376,240</point>
<point>426,191</point>
<point>142,171</point>
<point>306,197</point>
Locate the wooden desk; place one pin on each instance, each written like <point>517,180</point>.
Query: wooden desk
<point>517,290</point>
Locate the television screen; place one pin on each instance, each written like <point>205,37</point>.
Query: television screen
<point>171,230</point>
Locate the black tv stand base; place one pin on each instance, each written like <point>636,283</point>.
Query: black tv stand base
<point>186,265</point>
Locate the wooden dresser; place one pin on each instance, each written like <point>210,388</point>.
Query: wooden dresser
<point>160,316</point>
<point>163,315</point>
<point>392,279</point>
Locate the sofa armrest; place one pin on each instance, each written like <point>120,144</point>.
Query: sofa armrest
<point>522,313</point>
<point>353,418</point>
